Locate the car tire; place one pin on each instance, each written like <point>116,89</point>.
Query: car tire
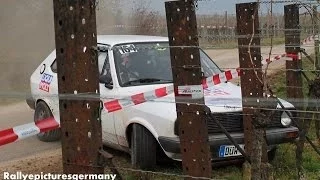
<point>272,154</point>
<point>42,111</point>
<point>143,148</point>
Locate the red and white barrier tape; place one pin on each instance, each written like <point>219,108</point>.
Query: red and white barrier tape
<point>219,78</point>
<point>27,130</point>
<point>292,56</point>
<point>308,40</point>
<point>118,104</point>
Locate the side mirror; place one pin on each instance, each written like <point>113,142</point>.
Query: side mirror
<point>107,80</point>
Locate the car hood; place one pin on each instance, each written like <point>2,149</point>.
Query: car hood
<point>224,97</point>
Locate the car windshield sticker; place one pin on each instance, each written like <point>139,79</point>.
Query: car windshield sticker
<point>129,48</point>
<point>215,92</point>
<point>45,82</point>
<point>195,91</point>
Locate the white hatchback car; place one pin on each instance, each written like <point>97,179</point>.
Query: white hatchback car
<point>129,65</point>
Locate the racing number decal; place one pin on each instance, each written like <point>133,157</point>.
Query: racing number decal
<point>130,48</point>
<point>45,82</point>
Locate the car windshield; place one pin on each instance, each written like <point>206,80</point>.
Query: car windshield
<point>149,63</point>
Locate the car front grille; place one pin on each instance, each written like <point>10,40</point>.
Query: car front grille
<point>233,122</point>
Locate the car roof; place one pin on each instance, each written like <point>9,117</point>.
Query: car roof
<point>121,39</point>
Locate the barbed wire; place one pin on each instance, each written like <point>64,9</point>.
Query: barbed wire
<point>207,26</point>
<point>301,102</point>
<point>289,1</point>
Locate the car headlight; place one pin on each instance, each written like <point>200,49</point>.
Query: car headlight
<point>285,119</point>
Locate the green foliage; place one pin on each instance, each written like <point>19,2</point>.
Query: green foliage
<point>285,161</point>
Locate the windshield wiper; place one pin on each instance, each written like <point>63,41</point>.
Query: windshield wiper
<point>146,80</point>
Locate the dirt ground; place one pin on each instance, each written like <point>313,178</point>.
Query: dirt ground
<point>27,37</point>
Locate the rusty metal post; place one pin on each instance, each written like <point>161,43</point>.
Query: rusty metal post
<point>293,73</point>
<point>250,64</point>
<point>187,78</point>
<point>75,35</point>
<point>292,43</point>
<point>251,88</point>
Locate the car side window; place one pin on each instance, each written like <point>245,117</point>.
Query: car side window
<point>102,59</point>
<point>54,66</point>
<point>103,63</point>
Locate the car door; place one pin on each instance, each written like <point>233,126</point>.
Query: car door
<point>109,136</point>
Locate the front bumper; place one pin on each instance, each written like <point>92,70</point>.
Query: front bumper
<point>274,137</point>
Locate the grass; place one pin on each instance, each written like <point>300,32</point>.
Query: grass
<point>275,41</point>
<point>278,79</point>
<point>284,163</point>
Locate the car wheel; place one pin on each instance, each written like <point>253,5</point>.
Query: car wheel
<point>143,148</point>
<point>42,111</point>
<point>272,154</point>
